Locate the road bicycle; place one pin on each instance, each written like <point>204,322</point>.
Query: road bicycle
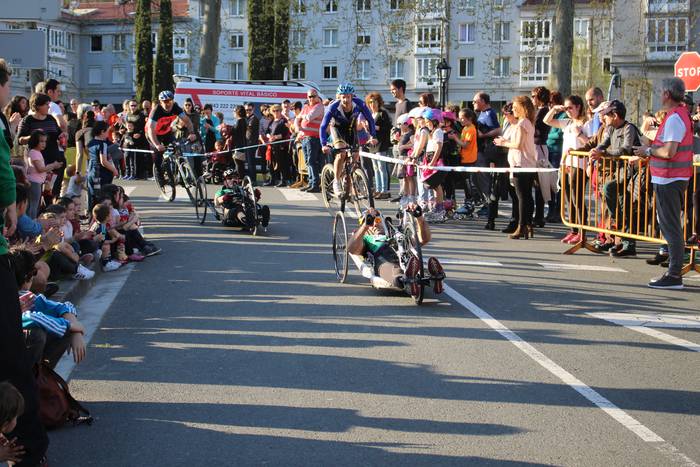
<point>175,170</point>
<point>353,181</point>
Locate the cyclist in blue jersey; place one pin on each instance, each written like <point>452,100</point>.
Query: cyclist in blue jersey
<point>342,116</point>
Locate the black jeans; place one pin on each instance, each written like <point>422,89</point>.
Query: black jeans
<point>15,367</point>
<point>523,188</point>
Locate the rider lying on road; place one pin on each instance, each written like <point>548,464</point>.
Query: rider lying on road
<point>371,239</point>
<point>231,197</point>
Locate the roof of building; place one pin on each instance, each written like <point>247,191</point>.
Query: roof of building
<point>105,11</point>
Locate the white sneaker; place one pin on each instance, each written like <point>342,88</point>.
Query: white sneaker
<point>98,254</point>
<point>336,187</point>
<point>83,273</point>
<point>111,266</point>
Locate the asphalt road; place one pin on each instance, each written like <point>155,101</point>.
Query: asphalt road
<point>235,350</point>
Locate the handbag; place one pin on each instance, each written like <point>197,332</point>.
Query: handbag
<point>56,405</point>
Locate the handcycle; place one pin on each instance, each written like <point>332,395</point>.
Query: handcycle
<point>354,184</point>
<point>402,238</point>
<point>202,204</point>
<point>175,169</point>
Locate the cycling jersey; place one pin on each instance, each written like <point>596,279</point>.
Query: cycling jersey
<point>343,123</point>
<point>163,119</point>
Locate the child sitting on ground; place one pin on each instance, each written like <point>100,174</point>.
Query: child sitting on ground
<point>75,182</point>
<point>106,237</point>
<point>50,328</point>
<point>11,407</point>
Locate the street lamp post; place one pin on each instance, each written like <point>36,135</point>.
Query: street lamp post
<point>443,70</point>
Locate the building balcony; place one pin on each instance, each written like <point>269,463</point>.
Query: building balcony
<point>668,6</point>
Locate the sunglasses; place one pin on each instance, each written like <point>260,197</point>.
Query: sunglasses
<point>311,96</point>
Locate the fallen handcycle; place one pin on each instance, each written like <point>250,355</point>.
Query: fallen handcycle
<point>400,241</point>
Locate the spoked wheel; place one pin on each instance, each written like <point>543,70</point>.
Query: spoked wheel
<point>188,181</point>
<point>166,180</point>
<point>362,195</point>
<point>251,206</point>
<point>340,247</point>
<point>413,247</point>
<point>200,200</point>
<point>329,200</point>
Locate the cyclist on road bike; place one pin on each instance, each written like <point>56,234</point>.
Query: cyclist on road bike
<point>371,241</point>
<point>159,126</point>
<point>342,115</point>
<point>231,197</point>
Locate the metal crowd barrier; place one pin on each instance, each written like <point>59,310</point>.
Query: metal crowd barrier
<point>615,196</point>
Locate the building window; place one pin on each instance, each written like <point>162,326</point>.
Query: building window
<point>397,69</point>
<point>331,6</point>
<point>70,41</point>
<point>428,37</point>
<point>236,70</point>
<point>362,69</point>
<point>180,68</point>
<point>236,40</point>
<point>298,38</point>
<point>236,7</point>
<point>535,33</point>
<point>299,70</point>
<point>397,4</point>
<point>154,42</point>
<point>57,42</point>
<point>667,34</point>
<point>179,46</point>
<point>535,68</point>
<point>466,67</point>
<point>582,28</point>
<point>330,71</point>
<point>363,39</point>
<point>426,70</point>
<point>118,75</point>
<point>95,75</point>
<point>364,5</point>
<point>330,37</point>
<point>299,6</point>
<point>119,42</point>
<point>501,67</point>
<point>501,31</point>
<point>95,43</point>
<point>467,33</point>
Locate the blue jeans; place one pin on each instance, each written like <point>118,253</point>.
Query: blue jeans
<point>380,174</point>
<point>313,159</point>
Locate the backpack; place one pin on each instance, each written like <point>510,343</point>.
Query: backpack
<point>56,405</point>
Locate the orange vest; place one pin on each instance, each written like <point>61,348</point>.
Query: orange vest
<point>681,164</point>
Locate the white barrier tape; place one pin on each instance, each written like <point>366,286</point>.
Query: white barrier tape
<point>148,151</point>
<point>452,168</point>
<point>191,154</point>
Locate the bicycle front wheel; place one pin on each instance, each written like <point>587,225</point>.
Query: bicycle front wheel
<point>329,199</point>
<point>188,180</point>
<point>361,193</point>
<point>165,179</point>
<point>200,200</point>
<point>413,246</point>
<point>340,247</point>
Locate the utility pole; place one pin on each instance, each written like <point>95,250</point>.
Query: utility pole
<point>563,45</point>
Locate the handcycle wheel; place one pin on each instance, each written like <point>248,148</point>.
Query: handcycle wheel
<point>252,205</point>
<point>413,246</point>
<point>362,195</point>
<point>340,247</point>
<point>188,181</point>
<point>200,200</point>
<point>329,200</point>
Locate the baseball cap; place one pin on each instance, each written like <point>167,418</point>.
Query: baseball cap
<point>613,106</point>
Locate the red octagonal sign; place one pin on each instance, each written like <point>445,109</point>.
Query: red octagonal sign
<point>687,68</point>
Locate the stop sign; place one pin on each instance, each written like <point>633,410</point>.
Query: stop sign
<point>687,68</point>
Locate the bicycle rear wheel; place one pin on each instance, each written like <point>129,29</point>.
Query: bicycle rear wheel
<point>200,200</point>
<point>413,246</point>
<point>361,195</point>
<point>340,247</point>
<point>329,199</point>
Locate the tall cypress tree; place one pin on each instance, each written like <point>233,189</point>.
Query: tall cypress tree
<point>280,48</point>
<point>144,50</point>
<point>261,28</point>
<point>164,68</point>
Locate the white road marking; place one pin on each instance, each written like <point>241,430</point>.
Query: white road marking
<point>643,323</point>
<point>470,263</point>
<point>580,267</point>
<point>291,194</point>
<point>97,302</point>
<point>129,189</point>
<point>180,195</point>
<point>622,417</point>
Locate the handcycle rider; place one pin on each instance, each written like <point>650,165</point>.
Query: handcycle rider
<point>231,198</point>
<point>342,115</point>
<point>371,239</point>
<point>159,127</point>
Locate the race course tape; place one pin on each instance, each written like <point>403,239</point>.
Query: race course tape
<point>204,154</point>
<point>453,168</point>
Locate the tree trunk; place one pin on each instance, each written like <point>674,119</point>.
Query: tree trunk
<point>144,51</point>
<point>209,51</point>
<point>281,39</point>
<point>563,46</point>
<point>261,28</point>
<point>164,68</point>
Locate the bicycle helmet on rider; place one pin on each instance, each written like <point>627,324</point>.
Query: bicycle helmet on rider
<point>229,173</point>
<point>345,88</point>
<point>166,96</point>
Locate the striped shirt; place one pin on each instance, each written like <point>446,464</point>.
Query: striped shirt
<point>48,315</point>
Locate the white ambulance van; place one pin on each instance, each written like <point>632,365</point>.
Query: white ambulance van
<point>225,95</point>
